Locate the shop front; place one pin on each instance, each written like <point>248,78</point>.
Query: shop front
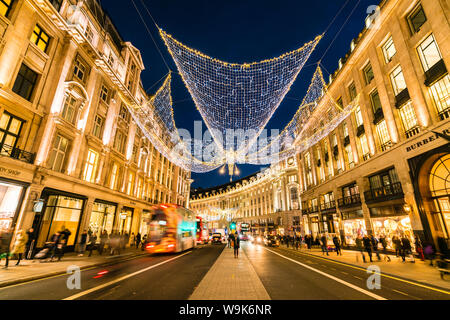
<point>145,220</point>
<point>314,223</point>
<point>61,211</point>
<point>102,216</point>
<point>431,180</point>
<point>354,225</point>
<point>390,222</point>
<point>125,220</point>
<point>11,198</point>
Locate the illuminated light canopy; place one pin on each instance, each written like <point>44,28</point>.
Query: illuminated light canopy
<point>242,97</point>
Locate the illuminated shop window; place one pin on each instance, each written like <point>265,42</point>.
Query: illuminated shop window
<point>389,50</point>
<point>440,91</point>
<point>409,120</point>
<point>58,153</point>
<point>398,80</point>
<point>440,191</point>
<point>90,167</point>
<point>429,52</point>
<point>383,135</point>
<point>40,38</point>
<point>5,7</point>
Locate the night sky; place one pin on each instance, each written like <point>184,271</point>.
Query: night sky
<point>237,31</point>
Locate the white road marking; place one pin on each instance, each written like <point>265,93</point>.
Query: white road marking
<point>83,293</point>
<point>370,294</point>
<point>405,294</point>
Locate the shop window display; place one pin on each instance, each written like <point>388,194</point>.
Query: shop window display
<point>10,195</point>
<point>102,217</point>
<point>353,228</point>
<point>393,226</point>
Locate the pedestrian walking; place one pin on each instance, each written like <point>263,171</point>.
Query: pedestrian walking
<point>375,246</point>
<point>53,245</point>
<point>323,240</point>
<point>138,240</point>
<point>360,246</point>
<point>92,243</point>
<point>62,242</point>
<point>368,246</point>
<point>144,242</point>
<point>103,240</point>
<point>29,248</point>
<point>82,243</point>
<point>126,240</point>
<point>133,240</point>
<point>419,248</point>
<point>229,241</point>
<point>397,245</point>
<point>384,245</point>
<point>236,245</point>
<point>337,244</point>
<point>429,251</point>
<point>20,245</point>
<point>405,248</point>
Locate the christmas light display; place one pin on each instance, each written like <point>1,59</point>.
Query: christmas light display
<point>242,97</point>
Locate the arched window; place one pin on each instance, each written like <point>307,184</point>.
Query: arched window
<point>75,97</point>
<point>440,190</point>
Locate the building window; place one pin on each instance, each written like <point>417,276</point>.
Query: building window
<point>89,34</point>
<point>90,168</point>
<point>58,153</point>
<point>135,154</point>
<point>440,91</point>
<point>114,176</point>
<point>131,77</point>
<point>25,82</point>
<point>348,151</point>
<point>99,122</point>
<point>111,59</point>
<point>80,69</point>
<point>368,73</point>
<point>375,101</point>
<point>10,127</point>
<point>416,19</point>
<point>104,94</point>
<point>383,135</point>
<point>429,52</point>
<point>40,38</point>
<point>56,4</point>
<point>120,141</point>
<point>358,117</point>
<point>352,91</point>
<point>124,114</point>
<point>409,120</point>
<point>130,183</point>
<point>364,147</point>
<point>389,50</point>
<point>440,189</point>
<point>5,7</point>
<point>398,81</point>
<point>70,109</point>
<point>140,188</point>
<point>309,176</point>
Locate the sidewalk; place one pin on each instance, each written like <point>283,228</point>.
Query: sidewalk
<point>29,270</point>
<point>231,279</point>
<point>420,271</point>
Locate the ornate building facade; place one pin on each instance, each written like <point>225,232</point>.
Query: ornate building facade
<point>385,169</point>
<point>71,155</point>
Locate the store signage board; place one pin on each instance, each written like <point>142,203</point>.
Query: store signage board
<point>435,136</point>
<point>10,172</point>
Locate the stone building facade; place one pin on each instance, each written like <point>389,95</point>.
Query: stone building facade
<point>71,155</point>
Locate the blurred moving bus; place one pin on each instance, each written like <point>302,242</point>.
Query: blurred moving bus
<point>202,232</point>
<point>172,228</point>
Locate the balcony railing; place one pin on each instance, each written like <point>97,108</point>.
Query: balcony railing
<point>412,132</point>
<point>444,114</point>
<point>17,153</point>
<point>386,145</point>
<point>385,193</point>
<point>328,206</point>
<point>349,201</point>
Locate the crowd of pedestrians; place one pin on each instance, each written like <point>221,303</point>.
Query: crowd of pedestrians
<point>23,245</point>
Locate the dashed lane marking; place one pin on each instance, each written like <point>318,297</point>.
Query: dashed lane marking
<point>368,293</point>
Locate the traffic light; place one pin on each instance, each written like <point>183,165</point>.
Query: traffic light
<point>233,226</point>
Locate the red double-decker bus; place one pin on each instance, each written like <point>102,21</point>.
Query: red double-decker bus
<point>202,232</point>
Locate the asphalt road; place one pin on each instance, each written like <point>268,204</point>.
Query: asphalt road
<point>287,275</point>
<point>160,277</point>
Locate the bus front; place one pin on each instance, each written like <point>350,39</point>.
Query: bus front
<point>162,235</point>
